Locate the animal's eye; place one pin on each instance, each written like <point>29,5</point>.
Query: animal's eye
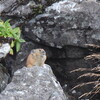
<point>40,50</point>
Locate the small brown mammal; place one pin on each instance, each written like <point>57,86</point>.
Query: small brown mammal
<point>37,57</point>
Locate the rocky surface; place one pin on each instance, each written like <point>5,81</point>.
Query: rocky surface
<point>23,8</point>
<point>37,83</point>
<point>4,77</point>
<point>66,23</point>
<point>4,50</point>
<point>62,30</point>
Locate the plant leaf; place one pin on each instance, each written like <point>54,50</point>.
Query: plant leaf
<point>12,44</point>
<point>7,24</point>
<point>22,40</point>
<point>16,31</point>
<point>11,51</point>
<point>17,46</point>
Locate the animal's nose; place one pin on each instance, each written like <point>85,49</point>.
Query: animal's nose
<point>43,52</point>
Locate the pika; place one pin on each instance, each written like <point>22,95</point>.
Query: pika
<point>37,57</point>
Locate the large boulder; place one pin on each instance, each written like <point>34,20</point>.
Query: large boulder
<point>67,22</point>
<point>36,83</point>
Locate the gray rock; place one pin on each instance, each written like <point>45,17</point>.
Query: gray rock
<point>23,8</point>
<point>66,23</point>
<point>20,10</point>
<point>37,83</point>
<point>4,77</point>
<point>62,30</point>
<point>4,50</point>
<point>98,1</point>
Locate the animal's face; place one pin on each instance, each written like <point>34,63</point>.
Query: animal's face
<point>40,52</point>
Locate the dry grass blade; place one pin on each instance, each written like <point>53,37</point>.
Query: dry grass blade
<point>77,86</point>
<point>79,69</point>
<point>86,94</point>
<point>92,45</point>
<point>96,69</point>
<point>90,93</point>
<point>96,91</point>
<point>84,84</point>
<point>97,86</point>
<point>93,56</point>
<point>89,75</point>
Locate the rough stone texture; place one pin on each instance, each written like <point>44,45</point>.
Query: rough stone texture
<point>62,30</point>
<point>37,83</point>
<point>20,11</point>
<point>98,1</point>
<point>4,77</point>
<point>4,50</point>
<point>23,8</point>
<point>66,23</point>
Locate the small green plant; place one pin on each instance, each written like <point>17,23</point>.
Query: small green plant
<point>6,31</point>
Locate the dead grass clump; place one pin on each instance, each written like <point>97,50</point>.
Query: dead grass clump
<point>92,73</point>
